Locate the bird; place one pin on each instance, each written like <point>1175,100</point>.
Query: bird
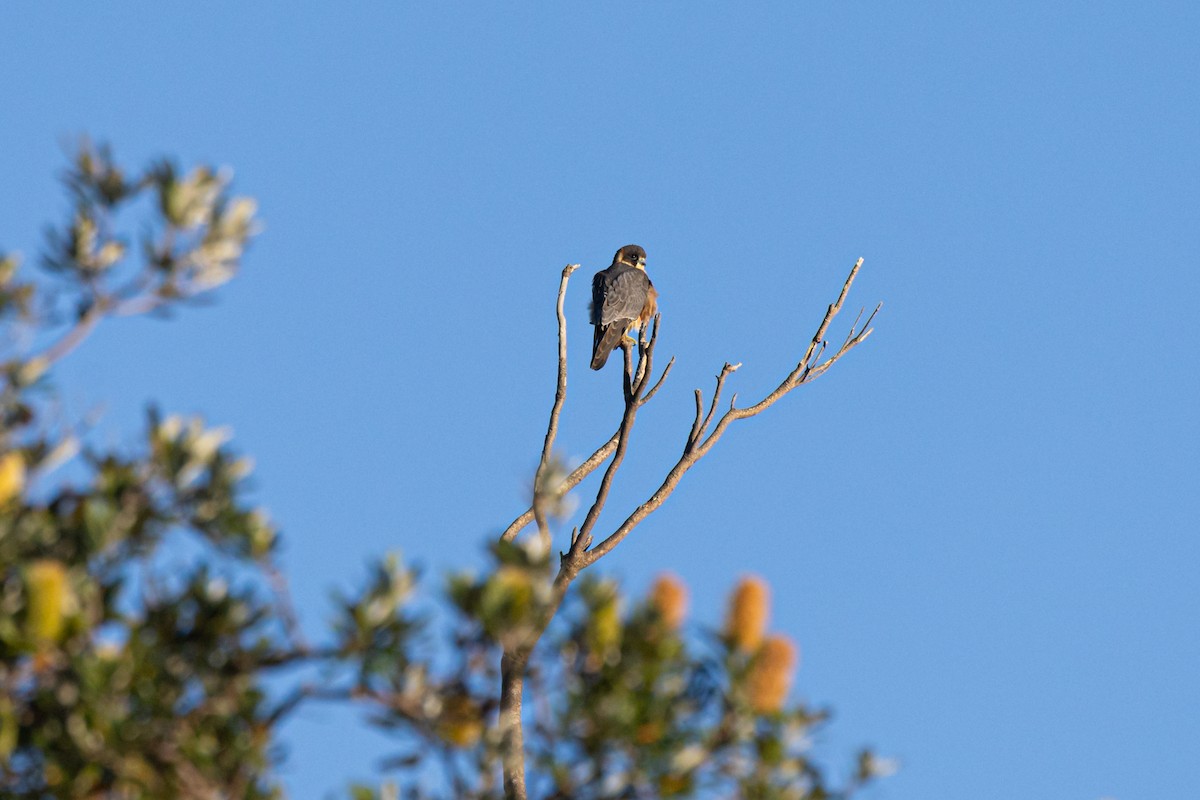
<point>622,298</point>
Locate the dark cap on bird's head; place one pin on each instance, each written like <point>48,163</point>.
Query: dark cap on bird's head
<point>631,254</point>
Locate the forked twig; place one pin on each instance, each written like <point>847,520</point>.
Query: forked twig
<point>592,462</point>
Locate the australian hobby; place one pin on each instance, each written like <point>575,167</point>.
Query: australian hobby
<point>622,298</point>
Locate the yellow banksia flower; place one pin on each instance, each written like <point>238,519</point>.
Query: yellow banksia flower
<point>12,476</point>
<point>670,598</point>
<point>461,721</point>
<point>49,599</point>
<point>771,673</point>
<point>749,606</point>
<point>604,629</point>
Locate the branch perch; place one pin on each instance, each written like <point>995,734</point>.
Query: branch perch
<point>560,395</point>
<point>592,462</point>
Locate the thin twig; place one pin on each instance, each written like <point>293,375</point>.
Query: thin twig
<point>627,379</point>
<point>698,423</point>
<point>631,406</point>
<point>570,482</point>
<point>74,337</point>
<point>867,324</point>
<point>645,355</point>
<point>589,465</point>
<point>804,375</point>
<point>102,305</point>
<point>853,340</point>
<point>560,394</point>
<point>725,371</point>
<point>654,389</point>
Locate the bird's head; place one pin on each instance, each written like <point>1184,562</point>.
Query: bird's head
<point>631,254</point>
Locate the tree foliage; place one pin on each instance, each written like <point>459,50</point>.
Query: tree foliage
<point>123,675</point>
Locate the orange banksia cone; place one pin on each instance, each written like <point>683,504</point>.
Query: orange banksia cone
<point>771,674</point>
<point>749,606</point>
<point>670,598</point>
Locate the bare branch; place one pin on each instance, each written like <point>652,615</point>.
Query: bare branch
<point>725,370</point>
<point>589,522</point>
<point>817,357</point>
<point>698,423</point>
<point>560,395</point>
<point>867,324</point>
<point>654,389</point>
<point>631,389</point>
<point>646,354</point>
<point>628,380</point>
<point>512,737</point>
<point>74,337</point>
<point>837,306</point>
<point>697,449</point>
<point>513,665</point>
<point>589,465</point>
<point>102,305</point>
<point>570,482</point>
<point>852,340</point>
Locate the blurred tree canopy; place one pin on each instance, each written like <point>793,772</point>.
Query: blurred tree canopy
<point>120,678</point>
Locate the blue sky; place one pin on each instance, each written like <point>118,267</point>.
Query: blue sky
<point>980,526</point>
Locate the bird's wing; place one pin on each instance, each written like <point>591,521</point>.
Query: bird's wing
<point>624,295</point>
<point>599,287</point>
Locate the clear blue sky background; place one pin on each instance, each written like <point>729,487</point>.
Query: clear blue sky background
<point>981,526</point>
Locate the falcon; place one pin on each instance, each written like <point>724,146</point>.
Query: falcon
<point>622,298</point>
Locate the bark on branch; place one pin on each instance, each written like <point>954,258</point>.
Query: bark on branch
<point>542,492</point>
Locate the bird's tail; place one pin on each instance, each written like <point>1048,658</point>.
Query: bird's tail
<point>604,341</point>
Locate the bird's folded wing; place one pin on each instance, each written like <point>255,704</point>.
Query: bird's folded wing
<point>625,297</point>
